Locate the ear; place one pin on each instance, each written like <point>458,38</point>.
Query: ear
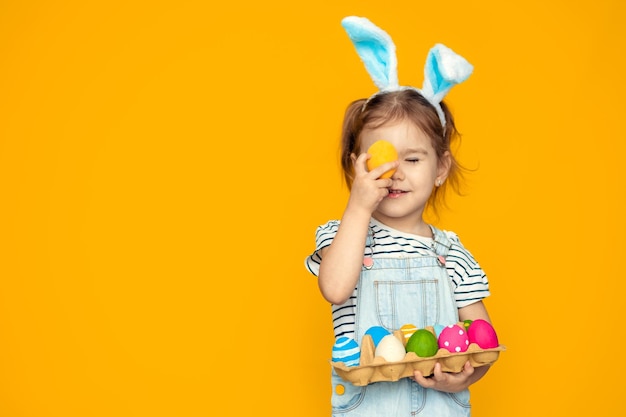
<point>443,166</point>
<point>376,50</point>
<point>443,70</point>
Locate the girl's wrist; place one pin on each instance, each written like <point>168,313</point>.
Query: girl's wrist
<point>357,214</point>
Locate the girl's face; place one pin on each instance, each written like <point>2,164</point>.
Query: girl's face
<point>414,179</point>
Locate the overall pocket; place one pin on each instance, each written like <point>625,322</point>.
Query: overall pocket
<point>407,302</point>
<point>345,396</point>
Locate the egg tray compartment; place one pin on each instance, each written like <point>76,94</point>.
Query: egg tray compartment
<point>375,368</point>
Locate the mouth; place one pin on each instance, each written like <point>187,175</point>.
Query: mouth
<point>395,193</point>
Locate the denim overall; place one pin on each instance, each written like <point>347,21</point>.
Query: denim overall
<point>393,292</point>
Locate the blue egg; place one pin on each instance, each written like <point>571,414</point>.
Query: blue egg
<point>438,329</point>
<point>377,333</point>
<point>346,350</point>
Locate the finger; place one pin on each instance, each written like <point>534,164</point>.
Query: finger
<point>360,163</point>
<point>424,382</point>
<point>468,369</point>
<point>387,166</point>
<point>437,372</point>
<point>384,182</point>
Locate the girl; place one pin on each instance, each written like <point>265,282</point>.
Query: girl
<point>382,264</point>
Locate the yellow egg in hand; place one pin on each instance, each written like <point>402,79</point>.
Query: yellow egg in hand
<point>382,152</point>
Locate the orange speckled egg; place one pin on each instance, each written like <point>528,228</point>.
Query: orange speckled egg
<point>381,152</point>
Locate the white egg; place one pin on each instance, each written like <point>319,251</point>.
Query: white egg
<point>390,348</point>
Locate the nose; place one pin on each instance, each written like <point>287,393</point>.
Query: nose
<point>398,174</point>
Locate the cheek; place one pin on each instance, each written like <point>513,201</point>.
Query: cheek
<point>423,171</point>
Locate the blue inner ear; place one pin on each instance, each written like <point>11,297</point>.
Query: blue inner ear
<point>438,83</point>
<point>374,56</point>
<point>375,48</point>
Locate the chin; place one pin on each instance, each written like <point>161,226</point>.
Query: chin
<point>390,209</point>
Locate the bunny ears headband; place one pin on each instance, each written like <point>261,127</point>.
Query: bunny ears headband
<point>443,69</point>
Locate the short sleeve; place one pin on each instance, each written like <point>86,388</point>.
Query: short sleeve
<point>324,236</point>
<point>471,283</point>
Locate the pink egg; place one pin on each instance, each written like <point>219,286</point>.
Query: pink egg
<point>483,334</point>
<point>453,338</point>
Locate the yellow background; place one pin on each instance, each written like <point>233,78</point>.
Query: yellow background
<point>164,165</point>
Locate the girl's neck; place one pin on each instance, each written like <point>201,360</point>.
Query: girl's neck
<point>415,226</point>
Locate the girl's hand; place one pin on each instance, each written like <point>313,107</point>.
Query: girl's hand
<point>446,381</point>
<point>368,189</point>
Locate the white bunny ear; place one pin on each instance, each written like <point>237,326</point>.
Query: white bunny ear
<point>443,70</point>
<point>376,50</point>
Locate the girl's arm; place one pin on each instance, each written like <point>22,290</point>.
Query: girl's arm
<point>342,260</point>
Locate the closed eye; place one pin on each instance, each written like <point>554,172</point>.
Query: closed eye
<point>412,160</point>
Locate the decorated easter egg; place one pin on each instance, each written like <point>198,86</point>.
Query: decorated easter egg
<point>483,334</point>
<point>454,339</point>
<point>381,152</point>
<point>407,330</point>
<point>346,350</point>
<point>377,333</point>
<point>438,328</point>
<point>423,343</point>
<point>390,348</point>
<point>466,324</point>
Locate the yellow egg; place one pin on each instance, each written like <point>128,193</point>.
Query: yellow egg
<point>407,330</point>
<point>382,152</point>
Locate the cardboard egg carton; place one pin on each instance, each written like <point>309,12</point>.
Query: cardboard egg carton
<point>375,368</point>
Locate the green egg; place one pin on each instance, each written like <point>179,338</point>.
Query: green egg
<point>423,343</point>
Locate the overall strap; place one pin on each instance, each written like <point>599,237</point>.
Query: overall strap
<point>441,242</point>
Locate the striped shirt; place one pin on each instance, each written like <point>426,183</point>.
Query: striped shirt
<point>469,281</point>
